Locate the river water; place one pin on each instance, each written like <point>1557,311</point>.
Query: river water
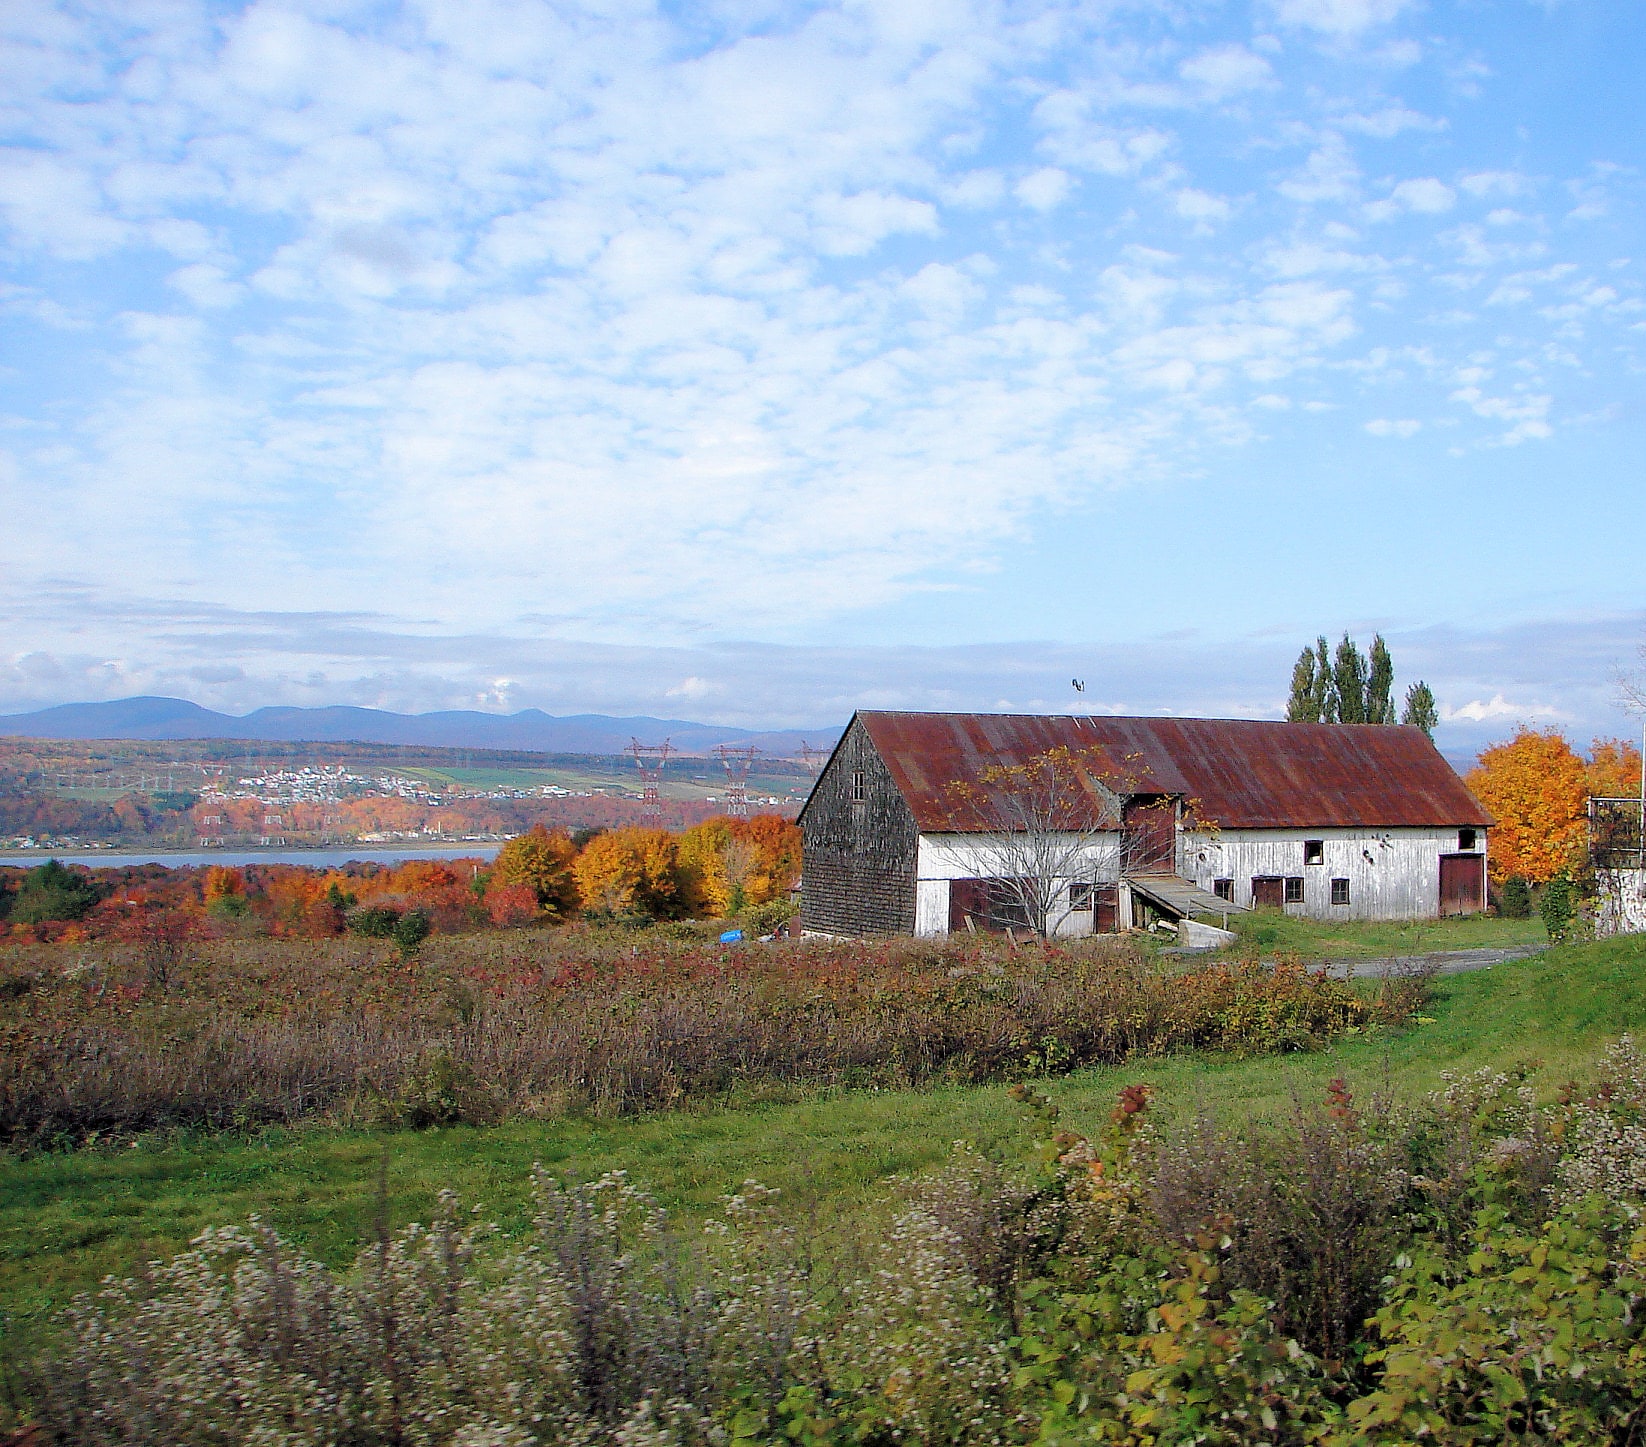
<point>234,858</point>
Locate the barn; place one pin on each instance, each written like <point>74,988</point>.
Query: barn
<point>927,823</point>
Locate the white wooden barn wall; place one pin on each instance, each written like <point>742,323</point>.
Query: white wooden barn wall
<point>943,857</point>
<point>1392,873</point>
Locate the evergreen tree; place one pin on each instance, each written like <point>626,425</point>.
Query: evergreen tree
<point>1420,708</point>
<point>1380,684</point>
<point>1349,670</point>
<point>54,892</point>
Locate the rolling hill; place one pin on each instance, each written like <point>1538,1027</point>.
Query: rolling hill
<point>175,718</point>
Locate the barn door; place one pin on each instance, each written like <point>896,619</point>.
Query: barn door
<point>1105,909</point>
<point>968,899</point>
<point>1462,883</point>
<point>1149,835</point>
<point>1268,891</point>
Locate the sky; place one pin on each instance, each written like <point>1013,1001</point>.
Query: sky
<point>751,362</point>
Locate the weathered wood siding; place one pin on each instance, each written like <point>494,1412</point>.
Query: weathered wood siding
<point>1622,901</point>
<point>1392,873</point>
<point>858,875</point>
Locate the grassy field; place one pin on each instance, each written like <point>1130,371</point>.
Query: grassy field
<point>1281,933</point>
<point>67,1219</point>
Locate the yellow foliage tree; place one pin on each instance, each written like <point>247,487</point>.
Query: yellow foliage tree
<point>701,852</point>
<point>630,871</point>
<point>727,864</point>
<point>543,863</point>
<point>1536,787</point>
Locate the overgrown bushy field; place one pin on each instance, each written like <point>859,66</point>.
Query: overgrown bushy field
<point>1466,1268</point>
<point>106,1039</point>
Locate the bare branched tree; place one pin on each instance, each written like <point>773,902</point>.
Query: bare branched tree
<point>1062,818</point>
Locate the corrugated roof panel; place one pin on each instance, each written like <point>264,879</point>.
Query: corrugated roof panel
<point>1235,773</point>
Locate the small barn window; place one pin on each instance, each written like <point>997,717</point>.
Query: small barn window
<point>1223,888</point>
<point>1340,891</point>
<point>1294,889</point>
<point>1314,851</point>
<point>857,786</point>
<point>1465,839</point>
<point>1081,896</point>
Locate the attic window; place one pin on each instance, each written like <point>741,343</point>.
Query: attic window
<point>1465,839</point>
<point>857,786</point>
<point>1314,851</point>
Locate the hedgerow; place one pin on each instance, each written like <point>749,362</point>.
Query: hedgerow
<point>228,1034</point>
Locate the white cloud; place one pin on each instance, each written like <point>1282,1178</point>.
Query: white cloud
<point>1388,122</point>
<point>1497,707</point>
<point>1200,206</point>
<point>1043,189</point>
<point>853,225</point>
<point>1385,427</point>
<point>1227,70</point>
<point>1425,194</point>
<point>1339,17</point>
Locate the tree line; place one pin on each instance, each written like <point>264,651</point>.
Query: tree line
<point>1347,686</point>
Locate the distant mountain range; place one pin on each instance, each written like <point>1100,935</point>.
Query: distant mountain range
<point>584,733</point>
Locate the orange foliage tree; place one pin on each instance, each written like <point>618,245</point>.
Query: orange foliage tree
<point>1613,771</point>
<point>542,862</point>
<point>630,871</point>
<point>1536,786</point>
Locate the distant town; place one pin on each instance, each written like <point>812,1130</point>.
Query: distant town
<point>208,794</point>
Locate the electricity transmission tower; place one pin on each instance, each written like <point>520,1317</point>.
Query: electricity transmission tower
<point>650,759</point>
<point>737,760</point>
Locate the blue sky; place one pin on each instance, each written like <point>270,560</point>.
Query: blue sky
<point>752,361</point>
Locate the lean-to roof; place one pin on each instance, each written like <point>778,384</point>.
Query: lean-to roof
<point>1234,773</point>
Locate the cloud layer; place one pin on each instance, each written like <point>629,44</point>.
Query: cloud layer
<point>622,327</point>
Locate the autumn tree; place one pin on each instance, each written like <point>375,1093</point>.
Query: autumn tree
<point>541,861</point>
<point>726,864</point>
<point>630,871</point>
<point>1613,770</point>
<point>1055,822</point>
<point>1535,786</point>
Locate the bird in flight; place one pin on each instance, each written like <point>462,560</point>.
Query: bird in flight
<point>1078,684</point>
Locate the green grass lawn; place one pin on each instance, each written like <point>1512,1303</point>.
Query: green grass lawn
<point>1275,932</point>
<point>67,1219</point>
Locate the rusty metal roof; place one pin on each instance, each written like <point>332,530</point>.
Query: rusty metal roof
<point>1234,773</point>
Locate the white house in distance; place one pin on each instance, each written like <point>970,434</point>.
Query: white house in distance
<point>913,827</point>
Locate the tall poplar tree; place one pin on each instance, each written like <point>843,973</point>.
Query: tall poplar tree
<point>1325,685</point>
<point>1349,670</point>
<point>1348,686</point>
<point>1420,709</point>
<point>1313,698</point>
<point>1380,684</point>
